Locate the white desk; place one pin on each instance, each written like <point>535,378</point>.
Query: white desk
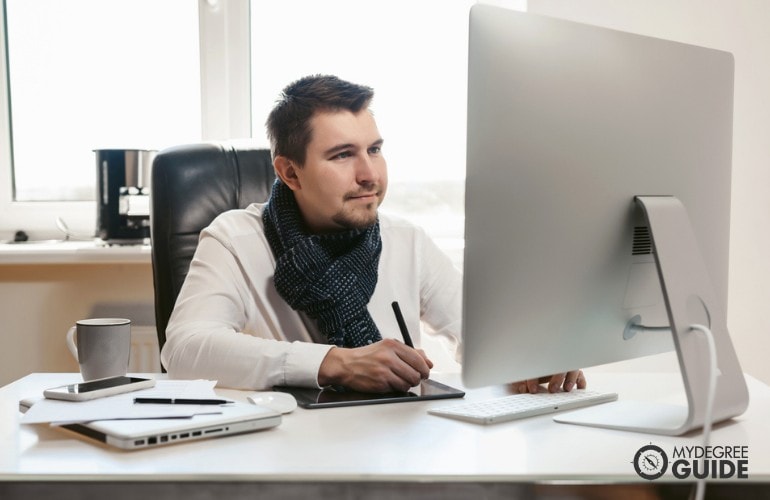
<point>370,448</point>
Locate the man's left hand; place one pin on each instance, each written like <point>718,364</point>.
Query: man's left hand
<point>566,381</point>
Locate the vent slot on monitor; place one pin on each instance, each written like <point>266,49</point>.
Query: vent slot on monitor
<point>642,244</point>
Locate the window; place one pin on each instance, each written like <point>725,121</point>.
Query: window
<point>86,74</point>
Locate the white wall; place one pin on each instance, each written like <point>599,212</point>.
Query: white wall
<point>743,28</point>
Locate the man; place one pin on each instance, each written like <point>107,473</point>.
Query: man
<point>298,291</point>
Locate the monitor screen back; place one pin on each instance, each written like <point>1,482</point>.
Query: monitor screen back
<point>566,124</point>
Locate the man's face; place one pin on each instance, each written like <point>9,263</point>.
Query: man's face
<point>345,177</point>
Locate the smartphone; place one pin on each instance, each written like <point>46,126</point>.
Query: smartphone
<point>93,389</point>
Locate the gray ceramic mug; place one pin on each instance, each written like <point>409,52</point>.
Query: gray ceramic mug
<point>102,346</point>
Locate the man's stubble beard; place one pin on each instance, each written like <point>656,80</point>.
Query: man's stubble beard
<point>353,220</point>
<point>357,221</point>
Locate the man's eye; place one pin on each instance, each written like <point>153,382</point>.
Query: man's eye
<point>342,155</point>
<point>375,150</point>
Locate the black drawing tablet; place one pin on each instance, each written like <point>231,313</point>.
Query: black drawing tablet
<point>334,397</point>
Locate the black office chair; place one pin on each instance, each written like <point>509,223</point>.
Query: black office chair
<point>190,186</point>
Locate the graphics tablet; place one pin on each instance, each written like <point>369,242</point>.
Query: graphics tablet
<point>333,397</point>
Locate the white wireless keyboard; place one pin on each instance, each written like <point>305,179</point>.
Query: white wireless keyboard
<point>503,409</point>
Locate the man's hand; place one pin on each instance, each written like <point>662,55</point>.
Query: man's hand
<point>385,366</point>
<point>566,381</point>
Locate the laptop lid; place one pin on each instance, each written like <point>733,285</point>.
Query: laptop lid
<point>237,418</point>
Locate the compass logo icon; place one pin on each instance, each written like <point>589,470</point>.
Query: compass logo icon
<point>650,462</point>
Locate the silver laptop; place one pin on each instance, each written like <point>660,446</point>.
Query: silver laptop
<point>237,418</point>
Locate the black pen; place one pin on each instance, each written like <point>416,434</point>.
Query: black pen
<point>402,324</point>
<point>180,401</point>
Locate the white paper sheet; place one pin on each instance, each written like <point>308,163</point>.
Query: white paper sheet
<point>122,406</point>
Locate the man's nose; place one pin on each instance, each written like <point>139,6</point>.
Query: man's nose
<point>366,171</point>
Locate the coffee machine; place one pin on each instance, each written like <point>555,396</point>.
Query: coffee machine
<point>123,205</point>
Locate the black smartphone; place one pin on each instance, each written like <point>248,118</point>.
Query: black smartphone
<point>100,388</point>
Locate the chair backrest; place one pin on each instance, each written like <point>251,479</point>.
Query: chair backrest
<point>190,186</point>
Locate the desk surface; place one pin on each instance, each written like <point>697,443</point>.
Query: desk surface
<point>393,442</point>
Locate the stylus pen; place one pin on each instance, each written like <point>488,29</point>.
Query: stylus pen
<point>181,401</point>
<point>402,324</point>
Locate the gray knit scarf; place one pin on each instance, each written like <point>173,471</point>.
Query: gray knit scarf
<point>330,277</point>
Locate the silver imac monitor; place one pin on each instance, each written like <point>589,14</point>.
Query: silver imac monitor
<point>597,208</point>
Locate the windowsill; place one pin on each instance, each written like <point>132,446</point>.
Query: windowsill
<point>73,252</point>
<point>97,252</point>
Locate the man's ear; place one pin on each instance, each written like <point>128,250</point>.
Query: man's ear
<point>286,170</point>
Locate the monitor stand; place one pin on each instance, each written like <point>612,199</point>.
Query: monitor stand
<point>689,299</point>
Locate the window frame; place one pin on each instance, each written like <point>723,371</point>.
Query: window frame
<point>225,114</point>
